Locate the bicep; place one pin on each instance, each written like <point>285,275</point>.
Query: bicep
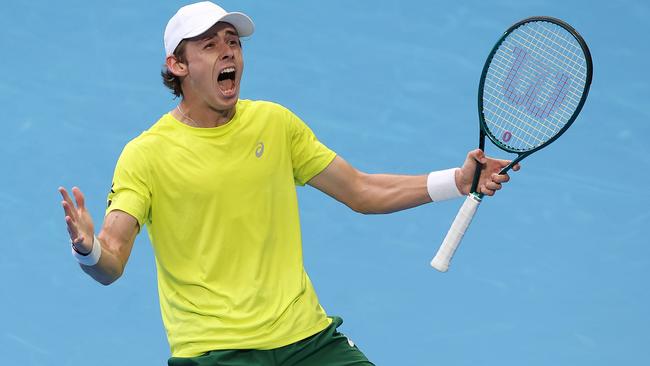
<point>118,234</point>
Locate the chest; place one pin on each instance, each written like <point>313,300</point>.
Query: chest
<point>243,163</point>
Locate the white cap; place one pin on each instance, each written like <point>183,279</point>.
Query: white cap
<point>194,19</point>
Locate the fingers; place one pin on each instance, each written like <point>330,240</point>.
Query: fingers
<point>66,196</point>
<point>70,220</point>
<point>493,186</point>
<point>71,215</point>
<point>79,197</point>
<point>67,204</point>
<point>477,155</point>
<point>68,210</point>
<point>490,188</point>
<point>500,178</point>
<point>494,183</point>
<point>73,231</point>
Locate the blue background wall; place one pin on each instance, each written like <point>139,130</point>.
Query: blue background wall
<point>554,269</point>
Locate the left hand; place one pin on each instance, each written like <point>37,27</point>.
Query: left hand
<point>490,180</point>
<point>80,224</point>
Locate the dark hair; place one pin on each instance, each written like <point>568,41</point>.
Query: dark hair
<point>170,80</point>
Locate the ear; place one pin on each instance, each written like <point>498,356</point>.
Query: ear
<point>175,66</point>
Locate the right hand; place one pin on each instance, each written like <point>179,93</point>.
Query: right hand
<point>78,220</point>
<point>490,180</point>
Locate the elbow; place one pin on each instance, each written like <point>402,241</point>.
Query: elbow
<point>361,201</point>
<point>364,210</point>
<point>103,277</point>
<point>362,206</point>
<point>111,277</point>
<point>107,281</point>
<point>358,208</point>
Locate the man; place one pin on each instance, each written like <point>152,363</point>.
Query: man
<point>214,181</point>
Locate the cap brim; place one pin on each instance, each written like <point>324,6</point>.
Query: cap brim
<point>242,23</point>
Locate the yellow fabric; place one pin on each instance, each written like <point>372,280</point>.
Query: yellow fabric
<point>221,210</point>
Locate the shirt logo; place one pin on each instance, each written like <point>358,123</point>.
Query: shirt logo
<point>259,150</point>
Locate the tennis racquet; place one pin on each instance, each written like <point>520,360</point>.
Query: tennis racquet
<point>533,86</point>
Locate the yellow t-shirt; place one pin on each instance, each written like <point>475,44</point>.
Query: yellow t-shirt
<point>221,210</point>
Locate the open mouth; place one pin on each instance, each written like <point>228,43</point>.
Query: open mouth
<point>226,80</point>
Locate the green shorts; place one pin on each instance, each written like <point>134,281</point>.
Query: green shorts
<point>327,348</point>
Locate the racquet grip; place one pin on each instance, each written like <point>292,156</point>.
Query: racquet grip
<point>455,233</point>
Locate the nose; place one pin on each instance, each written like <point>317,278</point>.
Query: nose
<point>226,51</point>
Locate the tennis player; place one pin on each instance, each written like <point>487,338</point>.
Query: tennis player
<point>214,182</point>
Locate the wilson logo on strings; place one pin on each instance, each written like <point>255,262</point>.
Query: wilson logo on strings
<point>527,70</point>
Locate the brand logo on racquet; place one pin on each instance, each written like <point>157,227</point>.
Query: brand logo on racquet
<point>535,74</point>
<point>507,135</point>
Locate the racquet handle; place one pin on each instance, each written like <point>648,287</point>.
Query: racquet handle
<point>455,233</point>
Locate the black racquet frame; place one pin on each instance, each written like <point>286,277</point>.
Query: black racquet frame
<point>484,130</point>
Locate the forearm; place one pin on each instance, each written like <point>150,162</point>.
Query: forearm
<point>116,240</point>
<point>385,193</point>
<point>109,267</point>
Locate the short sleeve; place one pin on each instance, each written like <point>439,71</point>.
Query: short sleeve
<point>131,187</point>
<point>308,155</point>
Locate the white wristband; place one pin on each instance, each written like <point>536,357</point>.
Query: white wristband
<point>441,185</point>
<point>91,258</point>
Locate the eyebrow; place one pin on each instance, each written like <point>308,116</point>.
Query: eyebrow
<point>229,32</point>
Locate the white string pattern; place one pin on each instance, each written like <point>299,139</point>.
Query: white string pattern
<point>533,85</point>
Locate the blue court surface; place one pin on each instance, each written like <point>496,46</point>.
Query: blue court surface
<point>553,271</point>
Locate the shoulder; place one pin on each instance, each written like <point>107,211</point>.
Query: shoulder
<point>150,138</point>
<point>145,144</point>
<point>256,107</point>
<point>269,114</point>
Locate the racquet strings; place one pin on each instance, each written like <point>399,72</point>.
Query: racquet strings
<point>533,85</point>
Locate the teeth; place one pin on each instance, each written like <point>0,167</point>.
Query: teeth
<point>228,69</point>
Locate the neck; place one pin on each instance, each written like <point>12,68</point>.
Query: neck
<point>202,116</point>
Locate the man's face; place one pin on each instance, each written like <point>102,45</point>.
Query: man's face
<point>215,65</point>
